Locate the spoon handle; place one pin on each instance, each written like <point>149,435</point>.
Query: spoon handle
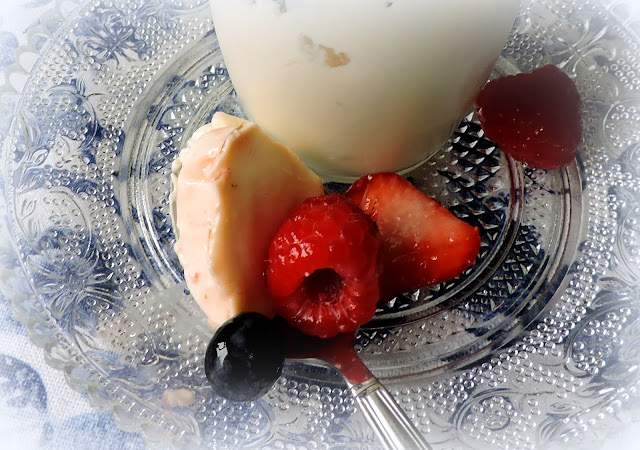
<point>389,422</point>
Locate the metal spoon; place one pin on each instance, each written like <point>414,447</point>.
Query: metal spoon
<point>389,422</point>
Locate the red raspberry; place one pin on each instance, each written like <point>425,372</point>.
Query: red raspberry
<point>322,269</point>
<point>535,117</point>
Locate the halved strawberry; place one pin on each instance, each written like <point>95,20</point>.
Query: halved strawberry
<point>422,242</point>
<point>322,270</point>
<point>535,117</point>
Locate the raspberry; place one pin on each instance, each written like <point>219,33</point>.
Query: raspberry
<point>322,269</point>
<point>535,117</point>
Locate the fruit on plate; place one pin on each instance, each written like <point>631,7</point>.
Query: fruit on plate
<point>245,357</point>
<point>422,242</point>
<point>232,188</point>
<point>322,270</point>
<point>534,117</point>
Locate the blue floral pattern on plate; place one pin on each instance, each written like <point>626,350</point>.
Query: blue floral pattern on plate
<point>38,409</point>
<point>536,341</point>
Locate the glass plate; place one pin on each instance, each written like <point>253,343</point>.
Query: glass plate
<point>536,345</point>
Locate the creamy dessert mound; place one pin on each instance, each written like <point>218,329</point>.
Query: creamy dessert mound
<point>232,188</point>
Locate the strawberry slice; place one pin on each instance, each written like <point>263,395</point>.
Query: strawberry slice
<point>534,117</point>
<point>422,242</point>
<point>322,270</point>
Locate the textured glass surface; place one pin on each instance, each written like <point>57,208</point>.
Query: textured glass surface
<point>535,345</point>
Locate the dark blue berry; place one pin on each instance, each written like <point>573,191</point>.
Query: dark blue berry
<point>245,357</point>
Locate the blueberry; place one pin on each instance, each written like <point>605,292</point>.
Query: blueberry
<point>245,357</point>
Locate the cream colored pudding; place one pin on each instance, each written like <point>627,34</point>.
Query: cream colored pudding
<point>360,86</point>
<point>233,186</point>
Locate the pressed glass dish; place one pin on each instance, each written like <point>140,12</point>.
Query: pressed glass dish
<point>535,345</point>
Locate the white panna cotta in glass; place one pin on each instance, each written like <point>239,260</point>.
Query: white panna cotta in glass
<point>360,86</point>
